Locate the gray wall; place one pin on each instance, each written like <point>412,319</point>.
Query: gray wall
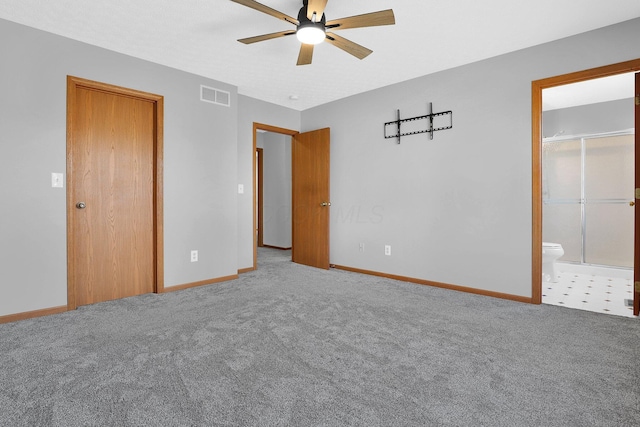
<point>200,165</point>
<point>277,189</point>
<point>251,110</point>
<point>601,117</point>
<point>456,209</point>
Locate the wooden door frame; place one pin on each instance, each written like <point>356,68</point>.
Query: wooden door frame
<point>267,128</point>
<point>536,143</point>
<point>73,83</point>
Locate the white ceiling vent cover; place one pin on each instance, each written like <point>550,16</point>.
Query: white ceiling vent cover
<point>215,96</point>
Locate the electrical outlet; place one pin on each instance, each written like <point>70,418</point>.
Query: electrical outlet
<point>194,256</point>
<point>387,250</point>
<point>361,247</point>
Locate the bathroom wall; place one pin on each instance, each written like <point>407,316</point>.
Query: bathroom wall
<point>455,209</point>
<point>277,189</point>
<point>595,118</point>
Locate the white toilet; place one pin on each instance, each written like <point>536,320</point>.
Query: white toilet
<point>550,253</point>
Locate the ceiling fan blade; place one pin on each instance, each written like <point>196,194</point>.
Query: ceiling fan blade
<point>306,54</point>
<point>383,17</point>
<point>316,6</point>
<point>264,37</point>
<point>348,46</point>
<point>266,9</point>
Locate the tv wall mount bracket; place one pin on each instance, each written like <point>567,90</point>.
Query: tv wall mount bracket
<point>428,117</point>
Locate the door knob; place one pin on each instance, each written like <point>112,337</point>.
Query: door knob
<point>324,204</point>
<point>632,203</point>
<point>81,205</point>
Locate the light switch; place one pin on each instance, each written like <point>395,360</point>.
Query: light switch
<point>57,180</point>
<point>240,189</point>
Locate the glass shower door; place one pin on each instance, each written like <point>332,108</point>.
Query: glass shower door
<point>588,186</point>
<point>562,196</point>
<point>609,192</point>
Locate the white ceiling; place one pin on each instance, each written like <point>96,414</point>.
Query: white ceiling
<point>199,36</point>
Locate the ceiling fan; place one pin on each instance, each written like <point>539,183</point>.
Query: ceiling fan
<point>312,27</point>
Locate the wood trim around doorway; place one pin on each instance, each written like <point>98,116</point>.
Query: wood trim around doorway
<point>73,83</point>
<point>267,128</point>
<point>536,155</point>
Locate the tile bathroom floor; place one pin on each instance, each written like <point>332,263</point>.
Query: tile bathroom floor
<point>590,292</point>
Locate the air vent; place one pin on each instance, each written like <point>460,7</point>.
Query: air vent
<point>215,96</point>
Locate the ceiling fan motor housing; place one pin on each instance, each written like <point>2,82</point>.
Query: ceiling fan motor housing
<point>306,24</point>
<point>304,21</point>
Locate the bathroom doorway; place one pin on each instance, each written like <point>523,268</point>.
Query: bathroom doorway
<point>584,150</point>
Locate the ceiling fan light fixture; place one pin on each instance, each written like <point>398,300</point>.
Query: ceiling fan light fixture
<point>311,32</point>
<point>311,27</point>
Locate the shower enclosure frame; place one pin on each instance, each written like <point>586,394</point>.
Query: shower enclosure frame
<point>583,200</point>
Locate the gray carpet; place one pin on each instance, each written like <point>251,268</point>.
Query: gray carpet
<point>295,346</point>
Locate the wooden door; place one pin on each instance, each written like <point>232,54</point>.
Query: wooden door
<point>260,195</point>
<point>111,170</point>
<point>310,198</point>
<point>636,264</point>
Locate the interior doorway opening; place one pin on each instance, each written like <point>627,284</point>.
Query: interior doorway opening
<point>277,214</point>
<point>537,168</point>
<point>273,196</point>
<point>310,194</point>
